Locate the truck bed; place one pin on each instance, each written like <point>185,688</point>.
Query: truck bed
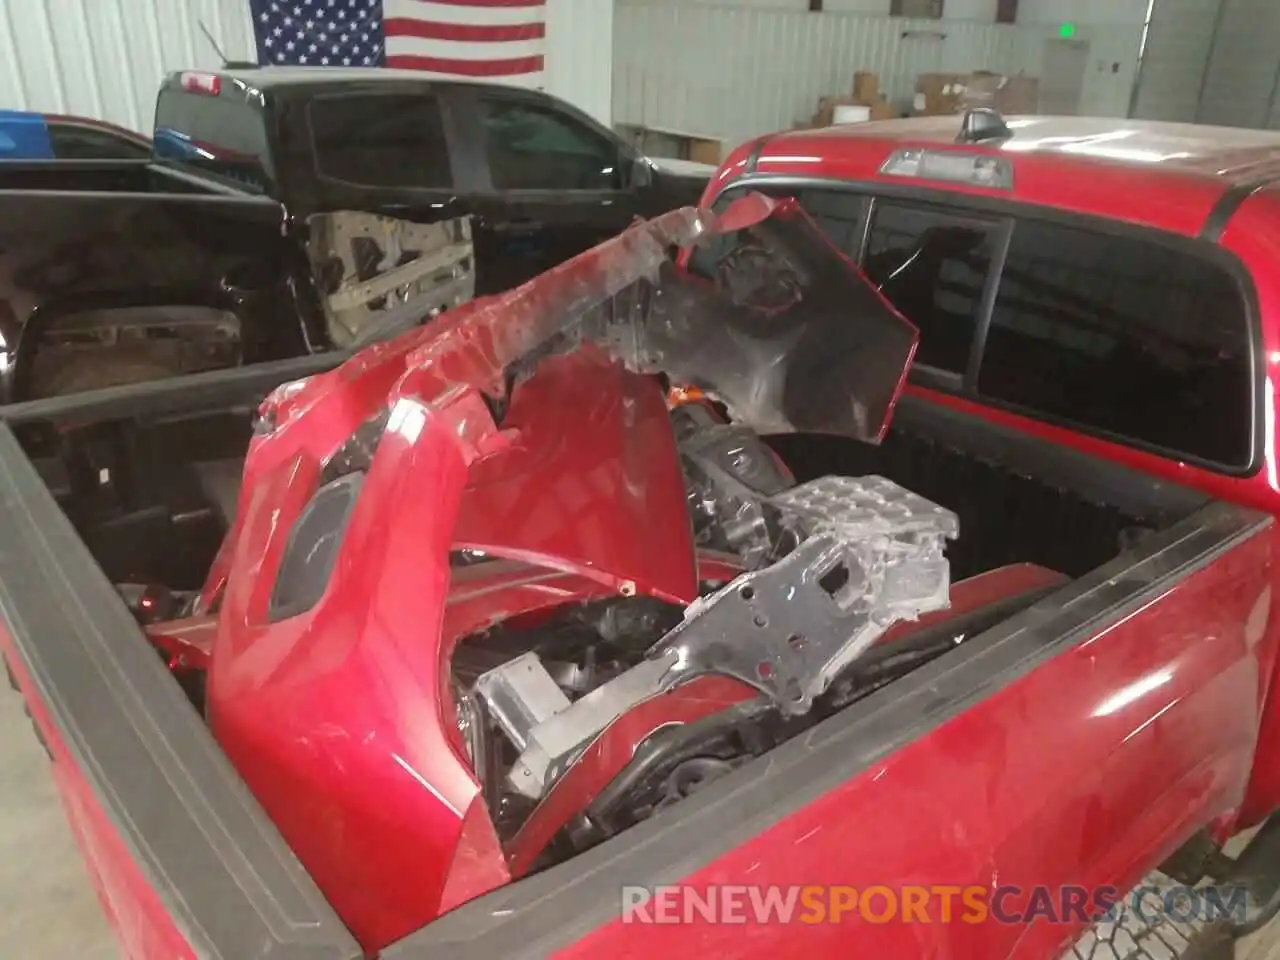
<point>110,271</point>
<point>1018,501</point>
<point>119,725</point>
<point>99,176</point>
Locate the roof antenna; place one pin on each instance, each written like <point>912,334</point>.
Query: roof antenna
<point>981,124</point>
<point>212,42</point>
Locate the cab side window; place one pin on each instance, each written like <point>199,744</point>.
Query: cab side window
<point>1124,335</point>
<point>534,147</point>
<point>394,140</point>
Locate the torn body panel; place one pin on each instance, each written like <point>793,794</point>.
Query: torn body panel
<point>534,427</point>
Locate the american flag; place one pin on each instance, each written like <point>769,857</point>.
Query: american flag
<point>468,38</point>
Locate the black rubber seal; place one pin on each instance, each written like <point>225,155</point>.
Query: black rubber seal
<point>1215,224</point>
<point>757,148</point>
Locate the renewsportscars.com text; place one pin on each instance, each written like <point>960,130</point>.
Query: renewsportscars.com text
<point>814,904</point>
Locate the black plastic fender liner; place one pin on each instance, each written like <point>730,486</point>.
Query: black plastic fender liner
<point>228,880</point>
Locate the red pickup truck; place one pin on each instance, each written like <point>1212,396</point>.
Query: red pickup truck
<point>511,637</point>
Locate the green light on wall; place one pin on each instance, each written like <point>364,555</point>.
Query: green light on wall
<point>1067,30</point>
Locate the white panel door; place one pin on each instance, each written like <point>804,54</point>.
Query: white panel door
<point>1062,76</point>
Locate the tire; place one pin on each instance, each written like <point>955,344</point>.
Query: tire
<point>97,369</point>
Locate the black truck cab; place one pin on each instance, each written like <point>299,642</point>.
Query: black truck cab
<point>293,210</point>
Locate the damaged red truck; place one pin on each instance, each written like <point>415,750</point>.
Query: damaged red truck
<point>518,611</point>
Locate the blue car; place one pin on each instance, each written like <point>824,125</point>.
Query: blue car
<point>46,136</point>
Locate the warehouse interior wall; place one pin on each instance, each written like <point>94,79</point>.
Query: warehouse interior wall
<point>1175,59</point>
<point>579,58</point>
<point>952,9</point>
<point>1055,12</point>
<point>1241,85</point>
<point>1212,62</point>
<point>105,58</point>
<point>735,69</point>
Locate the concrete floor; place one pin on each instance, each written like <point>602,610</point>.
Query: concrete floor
<point>47,907</point>
<point>48,910</point>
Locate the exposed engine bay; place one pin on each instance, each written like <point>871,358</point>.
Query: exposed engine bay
<point>825,569</point>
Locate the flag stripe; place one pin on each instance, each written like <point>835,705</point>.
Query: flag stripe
<point>486,3</point>
<point>467,68</point>
<point>457,50</point>
<point>464,32</point>
<point>436,11</point>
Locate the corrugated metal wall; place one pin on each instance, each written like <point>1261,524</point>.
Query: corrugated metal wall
<point>105,58</point>
<point>1175,59</point>
<point>1084,11</point>
<point>1240,86</point>
<point>580,54</point>
<point>735,72</point>
<point>1212,61</point>
<point>951,9</point>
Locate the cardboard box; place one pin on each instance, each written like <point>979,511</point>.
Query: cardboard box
<point>1018,94</point>
<point>823,116</point>
<point>884,110</point>
<point>706,150</point>
<point>878,107</point>
<point>938,94</point>
<point>866,86</point>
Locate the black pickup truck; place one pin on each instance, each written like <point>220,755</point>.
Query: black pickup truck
<point>289,211</point>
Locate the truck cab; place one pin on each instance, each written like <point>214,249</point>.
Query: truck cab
<point>288,211</point>
<point>542,179</point>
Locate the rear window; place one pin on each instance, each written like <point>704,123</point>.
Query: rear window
<point>933,266</point>
<point>381,140</point>
<point>1125,335</point>
<point>1118,334</point>
<point>222,137</point>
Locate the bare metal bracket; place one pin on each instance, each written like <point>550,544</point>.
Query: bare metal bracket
<point>871,553</point>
